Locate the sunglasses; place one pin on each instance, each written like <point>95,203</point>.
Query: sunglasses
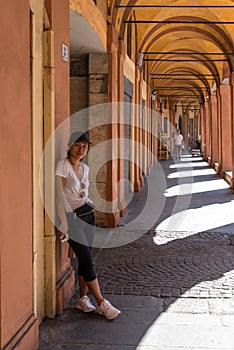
<point>82,192</point>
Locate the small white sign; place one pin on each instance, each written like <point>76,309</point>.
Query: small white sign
<point>64,52</point>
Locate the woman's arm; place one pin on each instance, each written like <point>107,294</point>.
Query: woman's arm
<point>63,228</point>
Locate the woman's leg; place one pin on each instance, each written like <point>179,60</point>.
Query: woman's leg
<point>82,286</point>
<point>95,290</point>
<point>86,274</point>
<point>93,287</point>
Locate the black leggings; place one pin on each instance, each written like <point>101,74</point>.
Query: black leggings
<point>81,235</point>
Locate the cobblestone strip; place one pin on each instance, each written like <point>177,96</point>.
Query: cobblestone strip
<point>170,264</point>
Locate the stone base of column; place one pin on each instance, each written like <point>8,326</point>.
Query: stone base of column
<point>112,219</point>
<point>228,178</point>
<point>220,171</point>
<point>65,289</point>
<point>26,337</point>
<point>232,183</point>
<point>216,167</point>
<point>122,207</point>
<point>137,185</point>
<point>148,170</point>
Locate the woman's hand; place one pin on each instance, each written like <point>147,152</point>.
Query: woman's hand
<point>63,237</point>
<point>62,232</point>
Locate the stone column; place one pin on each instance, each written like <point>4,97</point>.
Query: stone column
<point>154,126</point>
<point>232,124</point>
<point>140,117</point>
<point>225,120</point>
<point>185,128</point>
<point>208,129</point>
<point>64,272</point>
<point>203,131</point>
<point>137,172</point>
<point>219,129</point>
<point>195,126</point>
<point>214,130</point>
<point>171,129</point>
<point>121,194</point>
<point>103,132</point>
<point>112,218</point>
<point>148,132</point>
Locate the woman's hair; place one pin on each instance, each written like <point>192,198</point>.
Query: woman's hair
<point>69,150</point>
<point>78,136</point>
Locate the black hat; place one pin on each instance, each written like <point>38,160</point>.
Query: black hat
<point>78,136</point>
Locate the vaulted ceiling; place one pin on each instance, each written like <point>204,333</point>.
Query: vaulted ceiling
<point>187,46</point>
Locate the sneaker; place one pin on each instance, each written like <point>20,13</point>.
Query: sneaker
<point>108,310</point>
<point>85,304</point>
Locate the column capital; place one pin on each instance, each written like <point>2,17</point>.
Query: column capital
<point>213,99</point>
<point>121,48</point>
<point>231,79</point>
<point>112,38</point>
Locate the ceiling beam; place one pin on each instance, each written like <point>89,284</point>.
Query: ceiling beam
<point>175,6</point>
<point>180,87</point>
<point>187,53</point>
<point>176,22</point>
<point>186,60</point>
<point>181,79</point>
<point>180,96</point>
<point>185,74</point>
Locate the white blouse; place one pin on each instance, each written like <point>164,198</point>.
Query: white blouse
<point>75,191</point>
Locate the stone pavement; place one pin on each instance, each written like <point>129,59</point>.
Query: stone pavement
<point>173,278</point>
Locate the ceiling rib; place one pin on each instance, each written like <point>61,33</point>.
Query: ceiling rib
<point>187,53</point>
<point>191,81</point>
<point>175,6</point>
<point>141,21</point>
<point>186,74</point>
<point>181,79</point>
<point>186,60</point>
<point>180,88</point>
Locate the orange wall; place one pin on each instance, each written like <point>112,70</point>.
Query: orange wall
<point>15,171</point>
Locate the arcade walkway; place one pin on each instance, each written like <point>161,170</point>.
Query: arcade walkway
<point>175,282</point>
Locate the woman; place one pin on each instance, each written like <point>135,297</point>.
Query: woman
<point>77,221</point>
<point>178,143</point>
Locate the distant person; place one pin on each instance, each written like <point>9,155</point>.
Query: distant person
<point>77,221</point>
<point>178,143</point>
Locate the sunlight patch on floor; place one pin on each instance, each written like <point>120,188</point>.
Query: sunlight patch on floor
<point>188,165</point>
<point>191,159</point>
<point>180,330</point>
<point>196,187</point>
<point>198,220</point>
<point>191,173</point>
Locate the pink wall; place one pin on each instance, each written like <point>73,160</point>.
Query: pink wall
<point>16,176</point>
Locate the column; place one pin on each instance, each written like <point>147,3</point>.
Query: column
<point>112,218</point>
<point>171,129</point>
<point>203,131</point>
<point>208,129</point>
<point>137,171</point>
<point>64,272</point>
<point>214,130</point>
<point>231,78</point>
<point>219,130</point>
<point>184,132</point>
<point>121,193</point>
<point>225,121</point>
